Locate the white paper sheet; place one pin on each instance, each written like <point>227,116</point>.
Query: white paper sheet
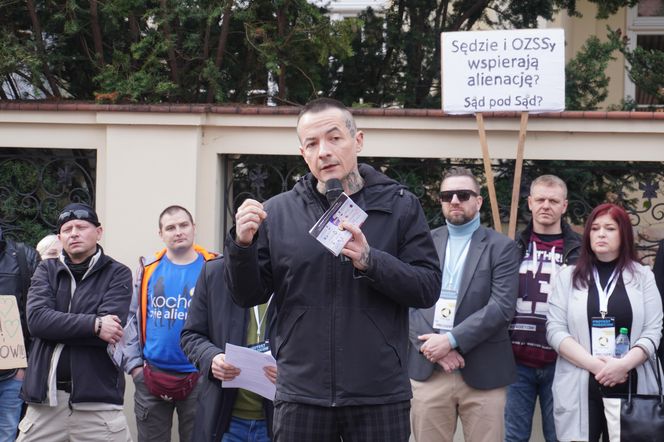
<point>252,377</point>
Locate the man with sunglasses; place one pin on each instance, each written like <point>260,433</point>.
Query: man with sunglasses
<point>76,307</point>
<point>546,245</point>
<point>460,358</point>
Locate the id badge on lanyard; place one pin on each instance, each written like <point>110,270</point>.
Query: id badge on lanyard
<point>260,320</point>
<point>443,318</point>
<point>261,347</point>
<point>603,331</point>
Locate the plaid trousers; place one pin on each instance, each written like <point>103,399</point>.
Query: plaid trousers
<point>295,422</point>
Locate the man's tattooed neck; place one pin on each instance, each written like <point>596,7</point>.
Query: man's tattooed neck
<point>352,183</point>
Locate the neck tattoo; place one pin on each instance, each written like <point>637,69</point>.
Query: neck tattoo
<point>353,182</point>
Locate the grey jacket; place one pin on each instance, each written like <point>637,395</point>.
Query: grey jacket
<point>568,317</point>
<point>485,307</point>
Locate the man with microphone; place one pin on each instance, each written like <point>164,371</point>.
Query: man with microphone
<point>341,334</point>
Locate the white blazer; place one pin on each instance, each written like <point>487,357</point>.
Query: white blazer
<point>568,316</point>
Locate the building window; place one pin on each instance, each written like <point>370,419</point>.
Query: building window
<point>645,29</point>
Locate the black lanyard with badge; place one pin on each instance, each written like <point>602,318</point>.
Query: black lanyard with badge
<point>603,328</point>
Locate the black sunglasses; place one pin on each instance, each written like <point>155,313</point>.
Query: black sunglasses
<point>463,195</point>
<point>75,214</point>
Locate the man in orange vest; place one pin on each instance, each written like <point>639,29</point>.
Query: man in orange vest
<point>164,378</point>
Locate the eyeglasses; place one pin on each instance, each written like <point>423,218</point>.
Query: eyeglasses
<point>446,196</point>
<point>74,214</point>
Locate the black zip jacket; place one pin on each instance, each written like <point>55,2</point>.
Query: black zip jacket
<point>341,336</point>
<point>214,320</point>
<point>53,322</point>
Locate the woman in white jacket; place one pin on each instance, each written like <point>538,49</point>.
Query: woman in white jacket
<point>606,290</point>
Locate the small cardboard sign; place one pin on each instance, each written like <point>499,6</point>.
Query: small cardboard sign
<point>510,70</point>
<point>12,347</point>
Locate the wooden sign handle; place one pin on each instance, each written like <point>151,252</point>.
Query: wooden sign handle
<point>518,167</point>
<point>488,172</point>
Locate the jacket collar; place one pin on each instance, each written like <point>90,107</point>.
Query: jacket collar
<point>372,196</point>
<point>99,259</point>
<point>161,253</point>
<point>571,239</point>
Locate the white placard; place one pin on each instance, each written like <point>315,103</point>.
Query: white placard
<point>515,70</point>
<point>12,347</point>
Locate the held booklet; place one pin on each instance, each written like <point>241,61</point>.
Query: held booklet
<point>327,231</point>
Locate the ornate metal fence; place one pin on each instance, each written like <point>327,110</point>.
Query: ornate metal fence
<point>634,185</point>
<point>36,183</point>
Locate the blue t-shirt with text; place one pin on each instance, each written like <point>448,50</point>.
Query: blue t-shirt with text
<point>170,291</point>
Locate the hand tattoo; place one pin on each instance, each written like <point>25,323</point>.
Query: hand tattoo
<point>365,258</point>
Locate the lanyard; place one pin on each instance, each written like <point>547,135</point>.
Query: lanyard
<point>604,295</point>
<point>453,273</point>
<point>535,262</point>
<point>259,320</point>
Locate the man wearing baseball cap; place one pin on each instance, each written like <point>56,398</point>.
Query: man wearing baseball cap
<point>76,307</point>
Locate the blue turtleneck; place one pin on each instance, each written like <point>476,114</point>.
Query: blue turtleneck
<point>459,236</point>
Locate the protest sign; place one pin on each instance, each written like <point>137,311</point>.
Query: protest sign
<point>12,347</point>
<point>515,70</point>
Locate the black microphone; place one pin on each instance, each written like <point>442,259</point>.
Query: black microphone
<point>333,189</point>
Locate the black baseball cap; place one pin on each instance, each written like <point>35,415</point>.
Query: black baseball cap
<point>78,211</point>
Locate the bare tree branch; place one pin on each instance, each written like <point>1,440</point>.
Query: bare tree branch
<point>41,49</point>
<point>221,44</point>
<point>473,10</point>
<point>96,33</point>
<point>168,33</point>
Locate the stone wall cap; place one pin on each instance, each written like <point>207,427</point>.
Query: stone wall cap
<point>241,109</point>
